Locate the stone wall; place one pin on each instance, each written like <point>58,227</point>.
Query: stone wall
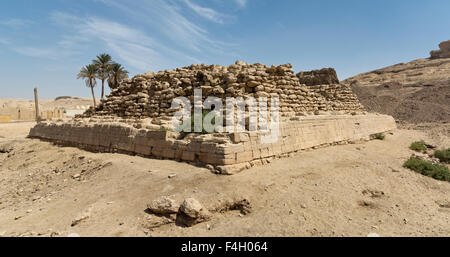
<point>5,119</point>
<point>28,114</point>
<point>226,153</point>
<point>20,114</point>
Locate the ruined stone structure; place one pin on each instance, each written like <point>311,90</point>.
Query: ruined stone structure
<point>26,114</point>
<point>443,52</point>
<point>151,95</point>
<point>136,117</point>
<point>327,76</point>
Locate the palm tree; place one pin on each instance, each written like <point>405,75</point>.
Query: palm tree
<point>116,75</point>
<point>89,73</point>
<point>103,63</point>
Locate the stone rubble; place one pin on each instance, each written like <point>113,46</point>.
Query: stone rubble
<point>150,95</point>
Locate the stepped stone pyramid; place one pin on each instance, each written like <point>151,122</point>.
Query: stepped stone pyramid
<point>136,117</point>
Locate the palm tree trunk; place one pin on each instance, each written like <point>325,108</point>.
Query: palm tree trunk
<point>93,96</point>
<point>103,88</point>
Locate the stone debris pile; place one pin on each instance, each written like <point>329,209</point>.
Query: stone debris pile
<point>150,95</point>
<point>189,213</point>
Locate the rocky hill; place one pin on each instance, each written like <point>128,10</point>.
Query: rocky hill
<point>414,92</point>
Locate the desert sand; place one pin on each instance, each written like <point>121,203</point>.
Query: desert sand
<point>347,190</point>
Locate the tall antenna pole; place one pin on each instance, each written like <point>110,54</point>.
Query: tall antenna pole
<point>36,104</point>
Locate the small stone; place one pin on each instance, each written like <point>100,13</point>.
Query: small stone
<point>82,217</point>
<point>394,170</point>
<point>210,167</point>
<point>172,175</point>
<point>163,205</point>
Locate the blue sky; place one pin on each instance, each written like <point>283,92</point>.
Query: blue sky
<point>45,43</point>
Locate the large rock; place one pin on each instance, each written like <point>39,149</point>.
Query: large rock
<point>325,76</point>
<point>443,52</point>
<point>192,212</point>
<point>191,207</point>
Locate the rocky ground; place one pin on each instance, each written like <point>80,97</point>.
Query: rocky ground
<point>414,92</point>
<point>348,190</point>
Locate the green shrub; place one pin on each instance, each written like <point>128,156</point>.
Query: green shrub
<point>418,146</point>
<point>379,136</point>
<point>443,155</point>
<point>427,168</point>
<point>204,113</point>
<point>191,123</point>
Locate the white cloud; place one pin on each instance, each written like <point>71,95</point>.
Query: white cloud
<point>133,46</point>
<point>4,41</point>
<point>15,23</point>
<point>207,13</point>
<point>144,35</point>
<point>166,18</point>
<point>38,52</point>
<point>241,3</point>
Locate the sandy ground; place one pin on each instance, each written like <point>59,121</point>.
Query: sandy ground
<point>348,190</point>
